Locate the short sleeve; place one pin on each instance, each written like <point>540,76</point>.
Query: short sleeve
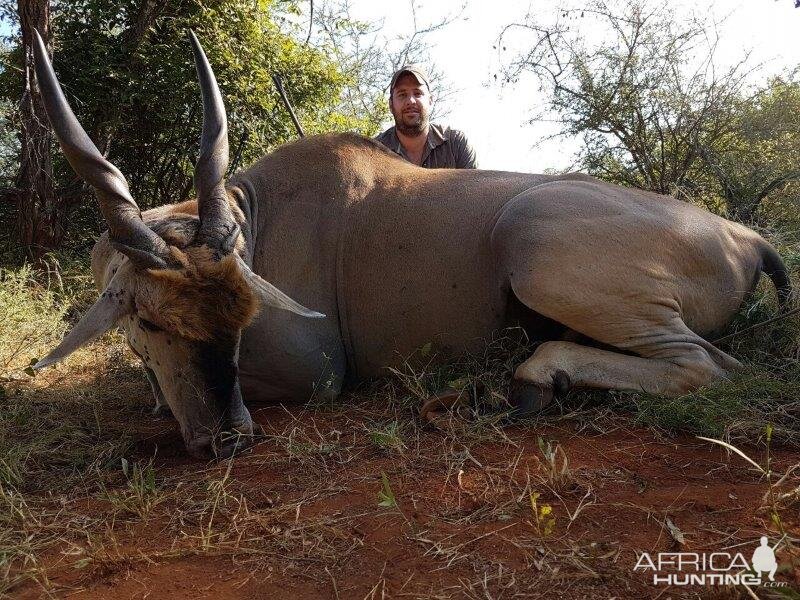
<point>465,153</point>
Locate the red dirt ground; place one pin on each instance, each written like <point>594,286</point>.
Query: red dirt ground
<point>299,516</point>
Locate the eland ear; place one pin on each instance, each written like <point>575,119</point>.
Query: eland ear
<point>110,307</point>
<point>272,296</point>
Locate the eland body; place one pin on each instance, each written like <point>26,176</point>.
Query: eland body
<point>391,256</point>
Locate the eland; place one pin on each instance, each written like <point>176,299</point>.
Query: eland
<point>390,257</point>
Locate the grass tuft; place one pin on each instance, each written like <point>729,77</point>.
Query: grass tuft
<point>387,437</point>
<point>31,323</point>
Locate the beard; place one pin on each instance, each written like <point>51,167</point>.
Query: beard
<point>411,124</point>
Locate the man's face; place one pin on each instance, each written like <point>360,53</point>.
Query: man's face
<point>410,104</point>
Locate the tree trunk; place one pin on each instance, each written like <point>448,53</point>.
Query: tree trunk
<point>41,218</point>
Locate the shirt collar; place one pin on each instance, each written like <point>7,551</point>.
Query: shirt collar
<point>436,135</point>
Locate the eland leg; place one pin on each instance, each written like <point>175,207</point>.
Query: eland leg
<point>673,366</point>
<point>643,275</point>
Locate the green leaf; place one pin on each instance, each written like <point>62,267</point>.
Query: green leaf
<point>386,495</point>
<point>459,384</point>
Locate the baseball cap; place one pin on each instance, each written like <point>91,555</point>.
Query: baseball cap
<point>417,71</point>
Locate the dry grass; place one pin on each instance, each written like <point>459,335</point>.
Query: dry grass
<point>32,321</point>
<point>60,435</point>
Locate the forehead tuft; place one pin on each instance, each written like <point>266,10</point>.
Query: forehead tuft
<point>203,301</point>
<point>178,224</point>
<point>177,230</point>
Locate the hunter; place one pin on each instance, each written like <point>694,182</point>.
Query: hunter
<point>413,136</point>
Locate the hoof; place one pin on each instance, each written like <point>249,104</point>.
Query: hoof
<point>528,399</point>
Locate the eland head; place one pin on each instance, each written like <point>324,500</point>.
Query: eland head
<point>179,287</point>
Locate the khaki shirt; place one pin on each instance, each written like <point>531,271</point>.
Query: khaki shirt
<point>445,149</point>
